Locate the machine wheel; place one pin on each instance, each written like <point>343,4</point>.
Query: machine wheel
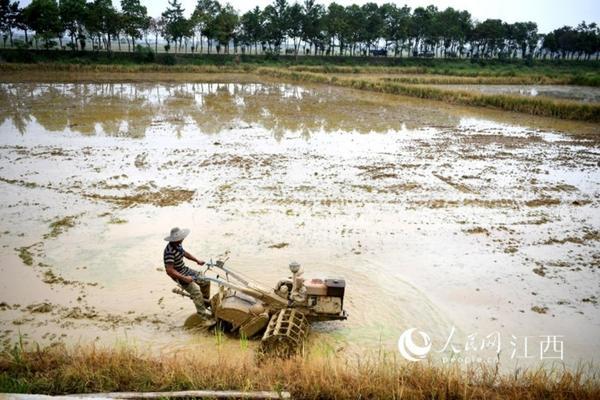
<point>285,333</point>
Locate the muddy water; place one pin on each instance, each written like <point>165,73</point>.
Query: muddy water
<point>461,223</point>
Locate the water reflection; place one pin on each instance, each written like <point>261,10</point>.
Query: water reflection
<point>123,109</point>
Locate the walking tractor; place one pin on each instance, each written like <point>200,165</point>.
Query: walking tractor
<point>282,315</point>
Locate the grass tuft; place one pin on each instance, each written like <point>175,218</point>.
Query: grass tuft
<point>56,370</point>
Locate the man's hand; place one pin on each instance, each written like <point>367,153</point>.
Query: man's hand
<point>188,279</point>
<point>200,262</point>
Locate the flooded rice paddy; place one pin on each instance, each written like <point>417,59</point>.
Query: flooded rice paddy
<point>458,222</point>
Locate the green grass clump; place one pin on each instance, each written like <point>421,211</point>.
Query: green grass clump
<point>60,225</point>
<point>25,255</point>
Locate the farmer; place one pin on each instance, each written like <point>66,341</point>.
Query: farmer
<point>180,273</point>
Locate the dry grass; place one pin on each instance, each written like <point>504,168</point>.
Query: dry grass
<point>541,107</point>
<point>56,370</point>
<point>133,68</point>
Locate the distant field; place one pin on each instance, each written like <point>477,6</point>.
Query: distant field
<point>563,109</point>
<point>403,76</point>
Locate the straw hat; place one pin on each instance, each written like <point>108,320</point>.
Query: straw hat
<point>177,234</point>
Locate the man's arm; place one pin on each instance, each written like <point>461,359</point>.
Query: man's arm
<point>172,272</point>
<point>192,258</point>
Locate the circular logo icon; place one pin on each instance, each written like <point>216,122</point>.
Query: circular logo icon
<point>409,349</point>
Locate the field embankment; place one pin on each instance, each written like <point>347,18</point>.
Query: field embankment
<point>55,370</point>
<point>533,106</point>
<point>462,72</point>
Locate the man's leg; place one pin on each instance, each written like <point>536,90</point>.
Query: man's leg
<point>194,290</point>
<point>204,284</point>
<point>205,289</point>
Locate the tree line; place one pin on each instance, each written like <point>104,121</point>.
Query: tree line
<point>292,28</point>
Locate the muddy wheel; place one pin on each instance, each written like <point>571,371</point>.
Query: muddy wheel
<point>285,333</point>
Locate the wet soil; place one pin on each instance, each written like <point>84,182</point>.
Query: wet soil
<point>437,217</point>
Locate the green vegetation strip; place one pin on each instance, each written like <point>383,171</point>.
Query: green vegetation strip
<point>56,370</point>
<point>537,106</point>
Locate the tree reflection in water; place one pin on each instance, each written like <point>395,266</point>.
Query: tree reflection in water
<point>129,110</point>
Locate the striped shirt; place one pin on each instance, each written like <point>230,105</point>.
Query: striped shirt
<point>174,255</point>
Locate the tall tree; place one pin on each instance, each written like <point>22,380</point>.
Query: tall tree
<point>43,17</point>
<point>155,26</point>
<point>354,26</point>
<point>102,23</point>
<point>202,20</point>
<point>224,26</point>
<point>9,19</point>
<point>176,26</point>
<point>312,24</point>
<point>453,29</point>
<point>135,19</point>
<point>490,34</point>
<point>396,24</point>
<point>293,24</point>
<point>373,27</point>
<point>252,28</point>
<point>72,14</point>
<point>334,28</point>
<point>275,24</point>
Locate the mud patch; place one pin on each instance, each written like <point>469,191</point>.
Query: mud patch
<point>378,171</point>
<point>478,230</point>
<point>542,202</point>
<point>587,237</point>
<point>52,278</point>
<point>540,309</point>
<point>279,245</point>
<point>164,197</point>
<point>40,308</point>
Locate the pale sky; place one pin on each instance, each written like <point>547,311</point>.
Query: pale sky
<point>549,14</point>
